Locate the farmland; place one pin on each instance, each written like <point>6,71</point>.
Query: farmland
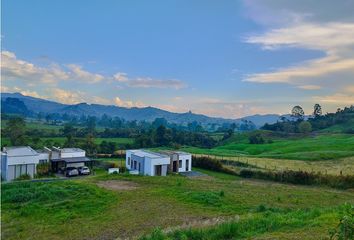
<point>312,148</point>
<point>82,208</point>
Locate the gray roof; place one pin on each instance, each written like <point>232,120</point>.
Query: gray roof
<point>72,160</point>
<point>71,150</point>
<point>146,153</point>
<point>20,151</point>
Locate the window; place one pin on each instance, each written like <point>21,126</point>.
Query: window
<point>42,161</point>
<point>134,164</point>
<point>128,160</point>
<point>180,163</point>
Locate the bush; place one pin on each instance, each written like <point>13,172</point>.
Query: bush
<point>23,177</point>
<point>345,228</point>
<point>43,169</point>
<point>301,177</point>
<point>256,138</point>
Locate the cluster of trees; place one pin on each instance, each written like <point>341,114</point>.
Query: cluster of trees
<point>317,121</point>
<point>163,136</point>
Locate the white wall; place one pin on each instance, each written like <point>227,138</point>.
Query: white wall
<point>14,160</point>
<point>128,154</point>
<point>184,159</point>
<point>157,161</point>
<point>72,154</point>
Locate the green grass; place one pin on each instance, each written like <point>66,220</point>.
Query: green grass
<point>30,208</point>
<point>269,221</point>
<point>320,147</point>
<point>78,209</point>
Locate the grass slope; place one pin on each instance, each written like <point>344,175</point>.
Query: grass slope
<point>79,209</point>
<point>320,147</point>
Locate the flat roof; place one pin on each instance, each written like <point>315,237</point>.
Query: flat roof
<point>72,160</point>
<point>20,151</point>
<point>70,150</point>
<point>146,153</point>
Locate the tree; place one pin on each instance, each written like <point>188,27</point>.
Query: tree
<point>15,130</point>
<point>317,110</point>
<point>305,127</point>
<point>162,138</point>
<point>297,112</point>
<point>256,138</point>
<point>69,132</point>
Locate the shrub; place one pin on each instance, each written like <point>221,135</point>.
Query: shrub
<point>345,228</point>
<point>43,169</point>
<point>23,177</point>
<point>256,138</point>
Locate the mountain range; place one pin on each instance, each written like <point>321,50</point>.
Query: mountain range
<point>16,103</point>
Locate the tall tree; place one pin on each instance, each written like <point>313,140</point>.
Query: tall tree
<point>297,112</point>
<point>15,131</point>
<point>317,110</point>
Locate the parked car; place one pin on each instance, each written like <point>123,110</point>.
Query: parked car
<point>71,171</point>
<point>84,170</point>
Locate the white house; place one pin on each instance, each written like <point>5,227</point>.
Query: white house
<point>67,157</point>
<point>157,163</point>
<point>17,161</point>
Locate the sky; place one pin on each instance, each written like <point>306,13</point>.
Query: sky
<point>220,58</point>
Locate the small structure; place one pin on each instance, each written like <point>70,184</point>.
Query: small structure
<point>62,158</point>
<point>17,161</point>
<point>150,163</point>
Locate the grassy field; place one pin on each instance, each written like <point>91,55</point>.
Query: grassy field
<point>108,207</point>
<point>318,147</point>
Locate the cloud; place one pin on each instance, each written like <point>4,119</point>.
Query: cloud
<point>68,97</point>
<point>280,12</point>
<point>78,73</point>
<point>146,82</point>
<point>337,98</point>
<point>13,68</point>
<point>334,39</point>
<point>120,77</point>
<point>309,87</point>
<point>129,104</point>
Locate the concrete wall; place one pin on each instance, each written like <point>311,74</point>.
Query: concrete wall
<point>72,154</point>
<point>184,159</point>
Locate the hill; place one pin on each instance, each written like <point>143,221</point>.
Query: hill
<point>31,107</point>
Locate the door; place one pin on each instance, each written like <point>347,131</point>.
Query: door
<point>187,165</point>
<point>158,170</point>
<point>174,168</point>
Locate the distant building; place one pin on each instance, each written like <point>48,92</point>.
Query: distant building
<point>62,158</point>
<point>17,161</point>
<point>150,163</point>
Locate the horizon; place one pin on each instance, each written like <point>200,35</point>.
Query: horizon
<point>229,60</point>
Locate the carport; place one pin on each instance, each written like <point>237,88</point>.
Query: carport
<point>70,162</point>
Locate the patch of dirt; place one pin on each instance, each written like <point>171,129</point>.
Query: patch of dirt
<point>116,185</point>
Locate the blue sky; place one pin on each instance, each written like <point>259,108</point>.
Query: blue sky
<point>220,58</point>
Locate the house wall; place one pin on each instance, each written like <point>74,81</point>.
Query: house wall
<point>19,165</point>
<point>127,157</point>
<point>73,154</point>
<point>44,157</point>
<point>138,160</point>
<point>164,161</point>
<point>184,158</point>
<point>3,172</point>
